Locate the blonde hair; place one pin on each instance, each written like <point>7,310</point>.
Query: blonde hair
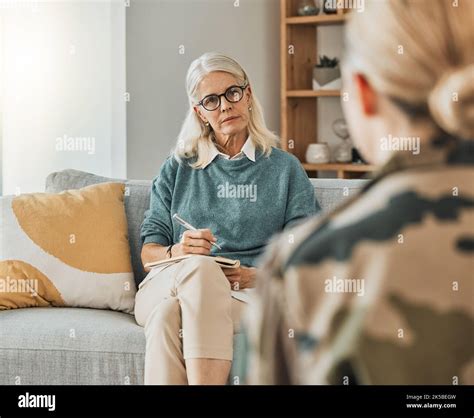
<point>421,54</point>
<point>195,138</point>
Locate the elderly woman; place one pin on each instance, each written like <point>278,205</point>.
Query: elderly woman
<point>381,290</point>
<point>228,180</point>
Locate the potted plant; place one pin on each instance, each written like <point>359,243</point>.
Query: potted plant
<point>327,74</point>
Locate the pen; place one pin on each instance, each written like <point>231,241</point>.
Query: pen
<point>190,227</point>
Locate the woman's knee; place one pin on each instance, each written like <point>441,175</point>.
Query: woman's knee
<point>165,317</point>
<point>202,262</point>
<point>205,272</point>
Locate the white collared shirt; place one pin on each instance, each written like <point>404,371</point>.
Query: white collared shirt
<point>248,150</point>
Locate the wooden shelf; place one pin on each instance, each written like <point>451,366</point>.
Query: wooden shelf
<point>355,168</point>
<point>298,107</point>
<point>343,170</point>
<point>316,20</point>
<point>313,93</point>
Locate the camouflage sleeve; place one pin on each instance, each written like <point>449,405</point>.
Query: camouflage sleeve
<point>271,336</point>
<point>294,326</point>
<point>264,326</point>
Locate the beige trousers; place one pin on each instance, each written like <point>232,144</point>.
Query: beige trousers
<point>187,312</point>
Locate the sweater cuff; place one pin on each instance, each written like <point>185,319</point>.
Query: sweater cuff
<point>156,239</point>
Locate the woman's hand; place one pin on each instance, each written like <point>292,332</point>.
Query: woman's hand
<point>241,278</point>
<point>194,242</point>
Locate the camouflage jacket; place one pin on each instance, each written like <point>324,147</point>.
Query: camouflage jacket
<point>380,291</point>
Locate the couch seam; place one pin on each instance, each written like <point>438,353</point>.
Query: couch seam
<point>70,350</point>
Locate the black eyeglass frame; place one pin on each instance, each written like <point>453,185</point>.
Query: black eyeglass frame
<point>223,94</point>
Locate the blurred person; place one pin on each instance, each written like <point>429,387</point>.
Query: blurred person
<point>381,291</point>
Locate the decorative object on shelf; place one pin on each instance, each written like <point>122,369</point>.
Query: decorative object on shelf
<point>342,153</point>
<point>308,7</point>
<point>327,74</point>
<point>356,157</point>
<point>330,7</point>
<point>318,153</point>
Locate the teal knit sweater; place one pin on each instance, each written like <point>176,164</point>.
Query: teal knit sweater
<point>242,202</point>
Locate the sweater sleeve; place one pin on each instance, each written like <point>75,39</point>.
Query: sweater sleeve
<point>301,199</point>
<point>157,227</point>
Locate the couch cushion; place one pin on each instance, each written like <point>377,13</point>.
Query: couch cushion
<point>70,346</point>
<point>66,249</point>
<point>331,192</point>
<point>137,201</point>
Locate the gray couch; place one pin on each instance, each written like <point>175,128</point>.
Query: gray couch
<point>36,346</point>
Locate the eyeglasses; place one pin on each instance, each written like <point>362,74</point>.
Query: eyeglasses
<point>233,94</point>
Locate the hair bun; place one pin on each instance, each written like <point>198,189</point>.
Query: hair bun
<point>451,102</point>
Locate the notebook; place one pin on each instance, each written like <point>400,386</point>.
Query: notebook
<point>243,295</point>
<point>222,261</point>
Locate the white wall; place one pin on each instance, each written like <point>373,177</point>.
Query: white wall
<point>156,71</point>
<point>63,77</point>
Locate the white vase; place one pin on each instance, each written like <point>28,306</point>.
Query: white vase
<point>317,153</point>
<point>326,78</point>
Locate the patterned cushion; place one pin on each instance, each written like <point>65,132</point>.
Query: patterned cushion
<point>137,201</point>
<point>67,249</point>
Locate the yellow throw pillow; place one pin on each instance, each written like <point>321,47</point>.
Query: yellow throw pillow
<point>66,249</point>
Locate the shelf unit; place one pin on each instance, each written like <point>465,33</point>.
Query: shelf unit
<point>299,103</point>
<point>343,170</point>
